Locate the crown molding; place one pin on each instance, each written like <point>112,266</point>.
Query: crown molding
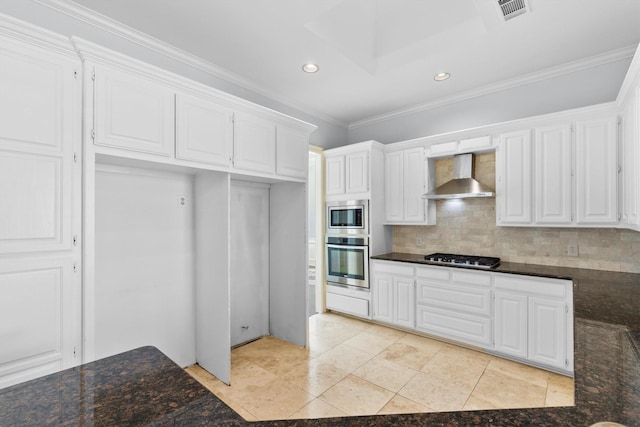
<point>119,29</point>
<point>26,32</point>
<point>569,67</point>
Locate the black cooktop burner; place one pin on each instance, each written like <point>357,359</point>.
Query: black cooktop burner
<point>463,260</point>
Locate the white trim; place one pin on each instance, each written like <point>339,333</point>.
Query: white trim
<point>26,32</point>
<point>119,29</point>
<point>570,67</point>
<point>631,79</point>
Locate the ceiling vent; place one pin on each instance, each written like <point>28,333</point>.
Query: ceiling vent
<point>512,8</point>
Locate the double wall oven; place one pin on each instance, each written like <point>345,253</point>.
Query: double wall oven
<point>347,243</point>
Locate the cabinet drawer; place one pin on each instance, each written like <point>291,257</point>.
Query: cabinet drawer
<point>393,268</point>
<point>471,277</point>
<point>433,273</point>
<point>450,296</point>
<point>347,304</point>
<point>537,286</point>
<point>462,327</point>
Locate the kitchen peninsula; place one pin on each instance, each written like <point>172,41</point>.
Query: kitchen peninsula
<point>143,387</point>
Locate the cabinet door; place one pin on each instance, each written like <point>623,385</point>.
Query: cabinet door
<point>552,148</point>
<point>335,168</point>
<point>204,131</point>
<point>547,332</point>
<point>596,171</point>
<point>394,186</point>
<point>414,177</point>
<point>382,294</point>
<point>36,150</point>
<point>514,179</point>
<point>357,169</point>
<point>631,162</point>
<point>254,146</point>
<point>292,152</point>
<point>133,113</point>
<point>511,324</point>
<point>404,305</point>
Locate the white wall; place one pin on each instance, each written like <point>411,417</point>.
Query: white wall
<point>578,89</point>
<point>145,255</point>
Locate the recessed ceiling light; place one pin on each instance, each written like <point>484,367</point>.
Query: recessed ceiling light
<point>310,68</point>
<point>441,76</point>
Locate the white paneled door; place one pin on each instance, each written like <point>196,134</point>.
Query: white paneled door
<point>40,311</point>
<point>249,262</point>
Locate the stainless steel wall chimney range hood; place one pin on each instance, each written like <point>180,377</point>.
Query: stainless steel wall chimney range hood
<point>462,185</point>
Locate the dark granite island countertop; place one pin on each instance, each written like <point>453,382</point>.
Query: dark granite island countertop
<point>143,387</point>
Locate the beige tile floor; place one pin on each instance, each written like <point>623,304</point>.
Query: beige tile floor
<point>358,368</point>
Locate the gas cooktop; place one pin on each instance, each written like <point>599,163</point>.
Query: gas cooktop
<point>463,260</point>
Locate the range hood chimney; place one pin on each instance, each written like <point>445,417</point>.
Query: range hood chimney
<point>462,185</point>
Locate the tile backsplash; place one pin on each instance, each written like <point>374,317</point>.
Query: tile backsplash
<point>468,226</point>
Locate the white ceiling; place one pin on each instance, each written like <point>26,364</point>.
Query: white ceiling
<point>380,56</point>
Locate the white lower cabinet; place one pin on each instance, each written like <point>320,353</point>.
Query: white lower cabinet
<point>350,301</point>
<point>526,318</point>
<point>455,304</point>
<point>534,320</point>
<point>393,294</point>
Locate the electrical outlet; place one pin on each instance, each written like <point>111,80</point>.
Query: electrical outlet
<point>419,242</point>
<point>572,249</point>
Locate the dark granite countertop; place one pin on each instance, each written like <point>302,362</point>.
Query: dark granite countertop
<point>143,387</point>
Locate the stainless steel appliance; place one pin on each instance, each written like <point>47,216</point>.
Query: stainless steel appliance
<point>463,260</point>
<point>348,217</point>
<point>348,260</point>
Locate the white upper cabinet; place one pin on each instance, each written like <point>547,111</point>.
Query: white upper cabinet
<point>574,183</point>
<point>597,171</point>
<point>357,172</point>
<point>133,113</point>
<point>348,173</point>
<point>405,178</point>
<point>514,179</point>
<point>204,130</point>
<point>553,175</point>
<point>335,175</point>
<point>292,152</point>
<point>254,144</point>
<point>631,162</point>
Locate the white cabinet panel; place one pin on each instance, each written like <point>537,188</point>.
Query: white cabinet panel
<point>357,172</point>
<point>514,179</point>
<point>292,152</point>
<point>348,304</point>
<point>38,318</point>
<point>404,305</point>
<point>631,162</point>
<point>458,326</point>
<point>133,113</point>
<point>382,293</point>
<point>36,149</point>
<point>414,176</point>
<point>335,170</point>
<point>204,131</point>
<point>553,183</point>
<point>511,328</point>
<point>254,144</point>
<point>404,186</point>
<point>547,331</point>
<point>35,207</point>
<point>470,299</point>
<point>596,171</point>
<point>394,186</point>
